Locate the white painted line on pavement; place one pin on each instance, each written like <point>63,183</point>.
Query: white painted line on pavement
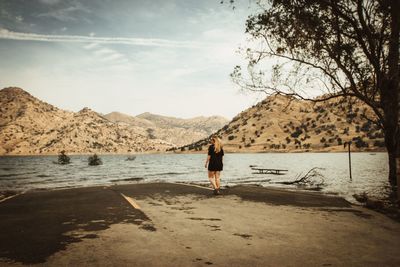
<point>131,201</point>
<point>10,197</point>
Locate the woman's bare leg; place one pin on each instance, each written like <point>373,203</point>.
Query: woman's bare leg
<point>217,180</point>
<point>211,176</point>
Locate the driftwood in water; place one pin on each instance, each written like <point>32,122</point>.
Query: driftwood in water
<point>312,178</point>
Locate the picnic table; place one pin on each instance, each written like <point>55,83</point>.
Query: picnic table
<point>269,171</point>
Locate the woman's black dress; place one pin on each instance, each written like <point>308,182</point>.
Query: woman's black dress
<point>215,163</point>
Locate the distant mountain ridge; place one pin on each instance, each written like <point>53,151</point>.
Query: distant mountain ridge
<point>208,124</point>
<point>30,126</point>
<point>286,124</point>
<point>173,130</point>
<point>128,119</point>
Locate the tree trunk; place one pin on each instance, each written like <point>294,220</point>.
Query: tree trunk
<point>390,96</point>
<point>392,132</point>
<point>392,168</point>
<point>398,179</point>
<point>390,104</point>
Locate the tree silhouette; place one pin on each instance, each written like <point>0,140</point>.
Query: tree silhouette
<point>94,160</point>
<point>63,158</point>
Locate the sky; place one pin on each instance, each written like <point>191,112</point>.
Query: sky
<point>165,57</point>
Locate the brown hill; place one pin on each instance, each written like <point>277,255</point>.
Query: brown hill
<point>173,130</point>
<point>206,124</point>
<point>31,126</point>
<point>282,124</point>
<point>131,120</point>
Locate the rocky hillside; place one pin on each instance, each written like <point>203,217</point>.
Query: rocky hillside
<point>127,119</point>
<point>280,124</point>
<point>30,126</point>
<point>173,130</point>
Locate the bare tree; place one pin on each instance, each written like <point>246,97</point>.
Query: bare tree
<point>347,48</point>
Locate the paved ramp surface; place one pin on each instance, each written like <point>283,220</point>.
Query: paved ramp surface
<point>181,225</point>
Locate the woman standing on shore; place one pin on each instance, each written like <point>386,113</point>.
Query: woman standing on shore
<point>215,163</point>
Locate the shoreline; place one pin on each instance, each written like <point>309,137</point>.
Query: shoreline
<point>204,185</point>
<point>185,225</point>
<point>191,152</point>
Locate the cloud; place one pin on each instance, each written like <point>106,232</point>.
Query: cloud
<point>103,51</point>
<point>107,54</point>
<point>70,13</point>
<point>49,2</point>
<point>113,56</point>
<point>91,46</point>
<point>11,35</point>
<point>19,18</point>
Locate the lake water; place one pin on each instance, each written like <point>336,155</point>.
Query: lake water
<point>370,171</point>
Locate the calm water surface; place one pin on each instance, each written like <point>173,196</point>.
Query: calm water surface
<point>370,171</point>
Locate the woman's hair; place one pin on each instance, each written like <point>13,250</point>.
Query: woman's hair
<point>217,144</point>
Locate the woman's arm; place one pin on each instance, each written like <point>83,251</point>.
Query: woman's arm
<point>207,161</point>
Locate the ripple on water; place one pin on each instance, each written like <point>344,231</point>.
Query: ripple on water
<point>43,175</point>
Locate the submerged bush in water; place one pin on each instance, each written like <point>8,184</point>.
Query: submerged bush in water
<point>63,158</point>
<point>94,160</point>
